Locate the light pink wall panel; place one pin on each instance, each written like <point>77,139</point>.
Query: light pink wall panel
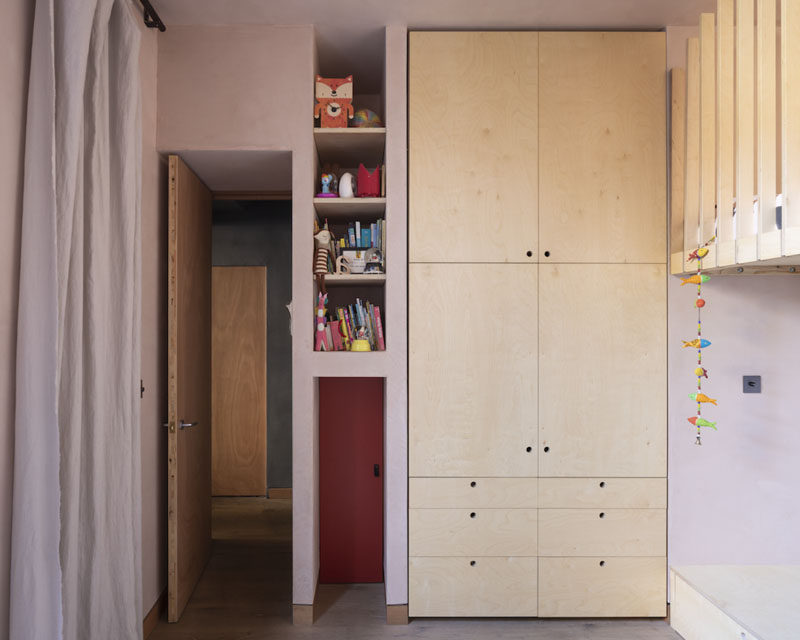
<point>251,87</point>
<point>735,499</point>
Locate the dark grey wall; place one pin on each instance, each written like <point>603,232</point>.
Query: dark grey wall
<point>256,233</point>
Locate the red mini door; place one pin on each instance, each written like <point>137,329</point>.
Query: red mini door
<point>350,480</point>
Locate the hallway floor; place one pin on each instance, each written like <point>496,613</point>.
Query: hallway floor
<point>245,593</point>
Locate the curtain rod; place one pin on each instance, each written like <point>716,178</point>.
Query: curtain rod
<point>151,17</point>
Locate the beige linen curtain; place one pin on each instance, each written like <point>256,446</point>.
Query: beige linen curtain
<point>76,523</point>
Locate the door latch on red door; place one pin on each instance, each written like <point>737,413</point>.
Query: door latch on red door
<point>377,470</point>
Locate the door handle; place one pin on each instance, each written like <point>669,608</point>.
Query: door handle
<point>186,425</point>
<point>376,469</point>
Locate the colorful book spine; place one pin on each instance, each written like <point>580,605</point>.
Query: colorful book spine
<point>336,336</point>
<point>344,329</point>
<point>365,239</point>
<point>351,236</point>
<point>373,235</point>
<point>379,330</point>
<point>358,235</point>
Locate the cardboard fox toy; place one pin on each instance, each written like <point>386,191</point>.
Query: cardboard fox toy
<point>334,101</point>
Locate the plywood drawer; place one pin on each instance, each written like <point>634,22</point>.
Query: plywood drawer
<point>468,493</point>
<point>607,532</point>
<point>457,587</point>
<point>602,587</point>
<point>472,532</point>
<point>607,493</point>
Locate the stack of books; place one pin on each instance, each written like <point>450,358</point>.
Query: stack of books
<point>353,321</point>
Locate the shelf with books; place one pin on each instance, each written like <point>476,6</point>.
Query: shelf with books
<point>350,323</point>
<point>336,208</point>
<point>348,146</point>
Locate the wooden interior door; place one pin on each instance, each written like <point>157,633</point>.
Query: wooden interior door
<point>189,386</point>
<point>239,381</point>
<point>350,480</point>
<point>602,370</point>
<point>472,370</point>
<point>602,135</point>
<point>473,146</point>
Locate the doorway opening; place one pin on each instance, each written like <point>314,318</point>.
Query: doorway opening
<point>230,423</point>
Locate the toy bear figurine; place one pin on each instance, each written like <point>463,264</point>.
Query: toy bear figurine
<point>334,101</point>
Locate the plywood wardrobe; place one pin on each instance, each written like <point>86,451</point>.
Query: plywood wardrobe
<point>537,324</point>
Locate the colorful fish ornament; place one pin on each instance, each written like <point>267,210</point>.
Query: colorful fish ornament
<point>697,343</point>
<point>702,422</point>
<point>698,254</point>
<point>701,373</point>
<point>702,397</point>
<point>695,279</point>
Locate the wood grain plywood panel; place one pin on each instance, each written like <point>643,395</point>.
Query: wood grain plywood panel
<point>602,390</point>
<point>479,493</point>
<point>691,167</point>
<point>619,587</point>
<point>745,222</point>
<point>472,370</point>
<point>189,384</point>
<point>475,587</point>
<point>239,381</point>
<point>677,156</point>
<point>602,132</point>
<point>473,146</point>
<point>726,132</point>
<point>605,493</point>
<point>790,125</point>
<point>769,238</point>
<point>708,144</point>
<point>466,532</point>
<point>606,532</point>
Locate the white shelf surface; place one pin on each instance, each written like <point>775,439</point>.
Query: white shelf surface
<point>347,147</point>
<point>336,208</point>
<point>761,599</point>
<point>337,280</point>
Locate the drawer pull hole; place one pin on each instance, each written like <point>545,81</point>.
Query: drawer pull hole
<point>473,514</point>
<point>546,449</point>
<point>528,449</point>
<point>473,484</point>
<point>529,253</point>
<point>472,563</point>
<point>602,484</point>
<point>602,563</point>
<point>602,515</point>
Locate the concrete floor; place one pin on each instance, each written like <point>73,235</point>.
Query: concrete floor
<point>246,591</point>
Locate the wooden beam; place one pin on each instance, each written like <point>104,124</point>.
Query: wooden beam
<point>677,177</point>
<point>745,225</point>
<point>790,125</point>
<point>396,614</point>
<point>708,149</point>
<point>691,200</point>
<point>726,133</point>
<point>769,237</point>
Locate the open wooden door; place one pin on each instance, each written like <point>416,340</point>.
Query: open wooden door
<point>189,449</point>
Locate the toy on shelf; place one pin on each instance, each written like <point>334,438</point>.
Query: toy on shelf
<point>374,261</point>
<point>347,185</point>
<point>322,243</point>
<point>328,181</point>
<point>366,119</point>
<point>321,338</point>
<point>369,184</point>
<point>342,265</point>
<point>361,343</point>
<point>699,342</point>
<point>334,101</point>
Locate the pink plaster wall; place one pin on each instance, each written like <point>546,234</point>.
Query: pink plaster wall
<point>735,499</point>
<point>15,34</point>
<point>251,87</point>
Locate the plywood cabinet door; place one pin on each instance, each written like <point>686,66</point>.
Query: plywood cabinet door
<point>472,370</point>
<point>602,370</point>
<point>602,136</point>
<point>473,152</point>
